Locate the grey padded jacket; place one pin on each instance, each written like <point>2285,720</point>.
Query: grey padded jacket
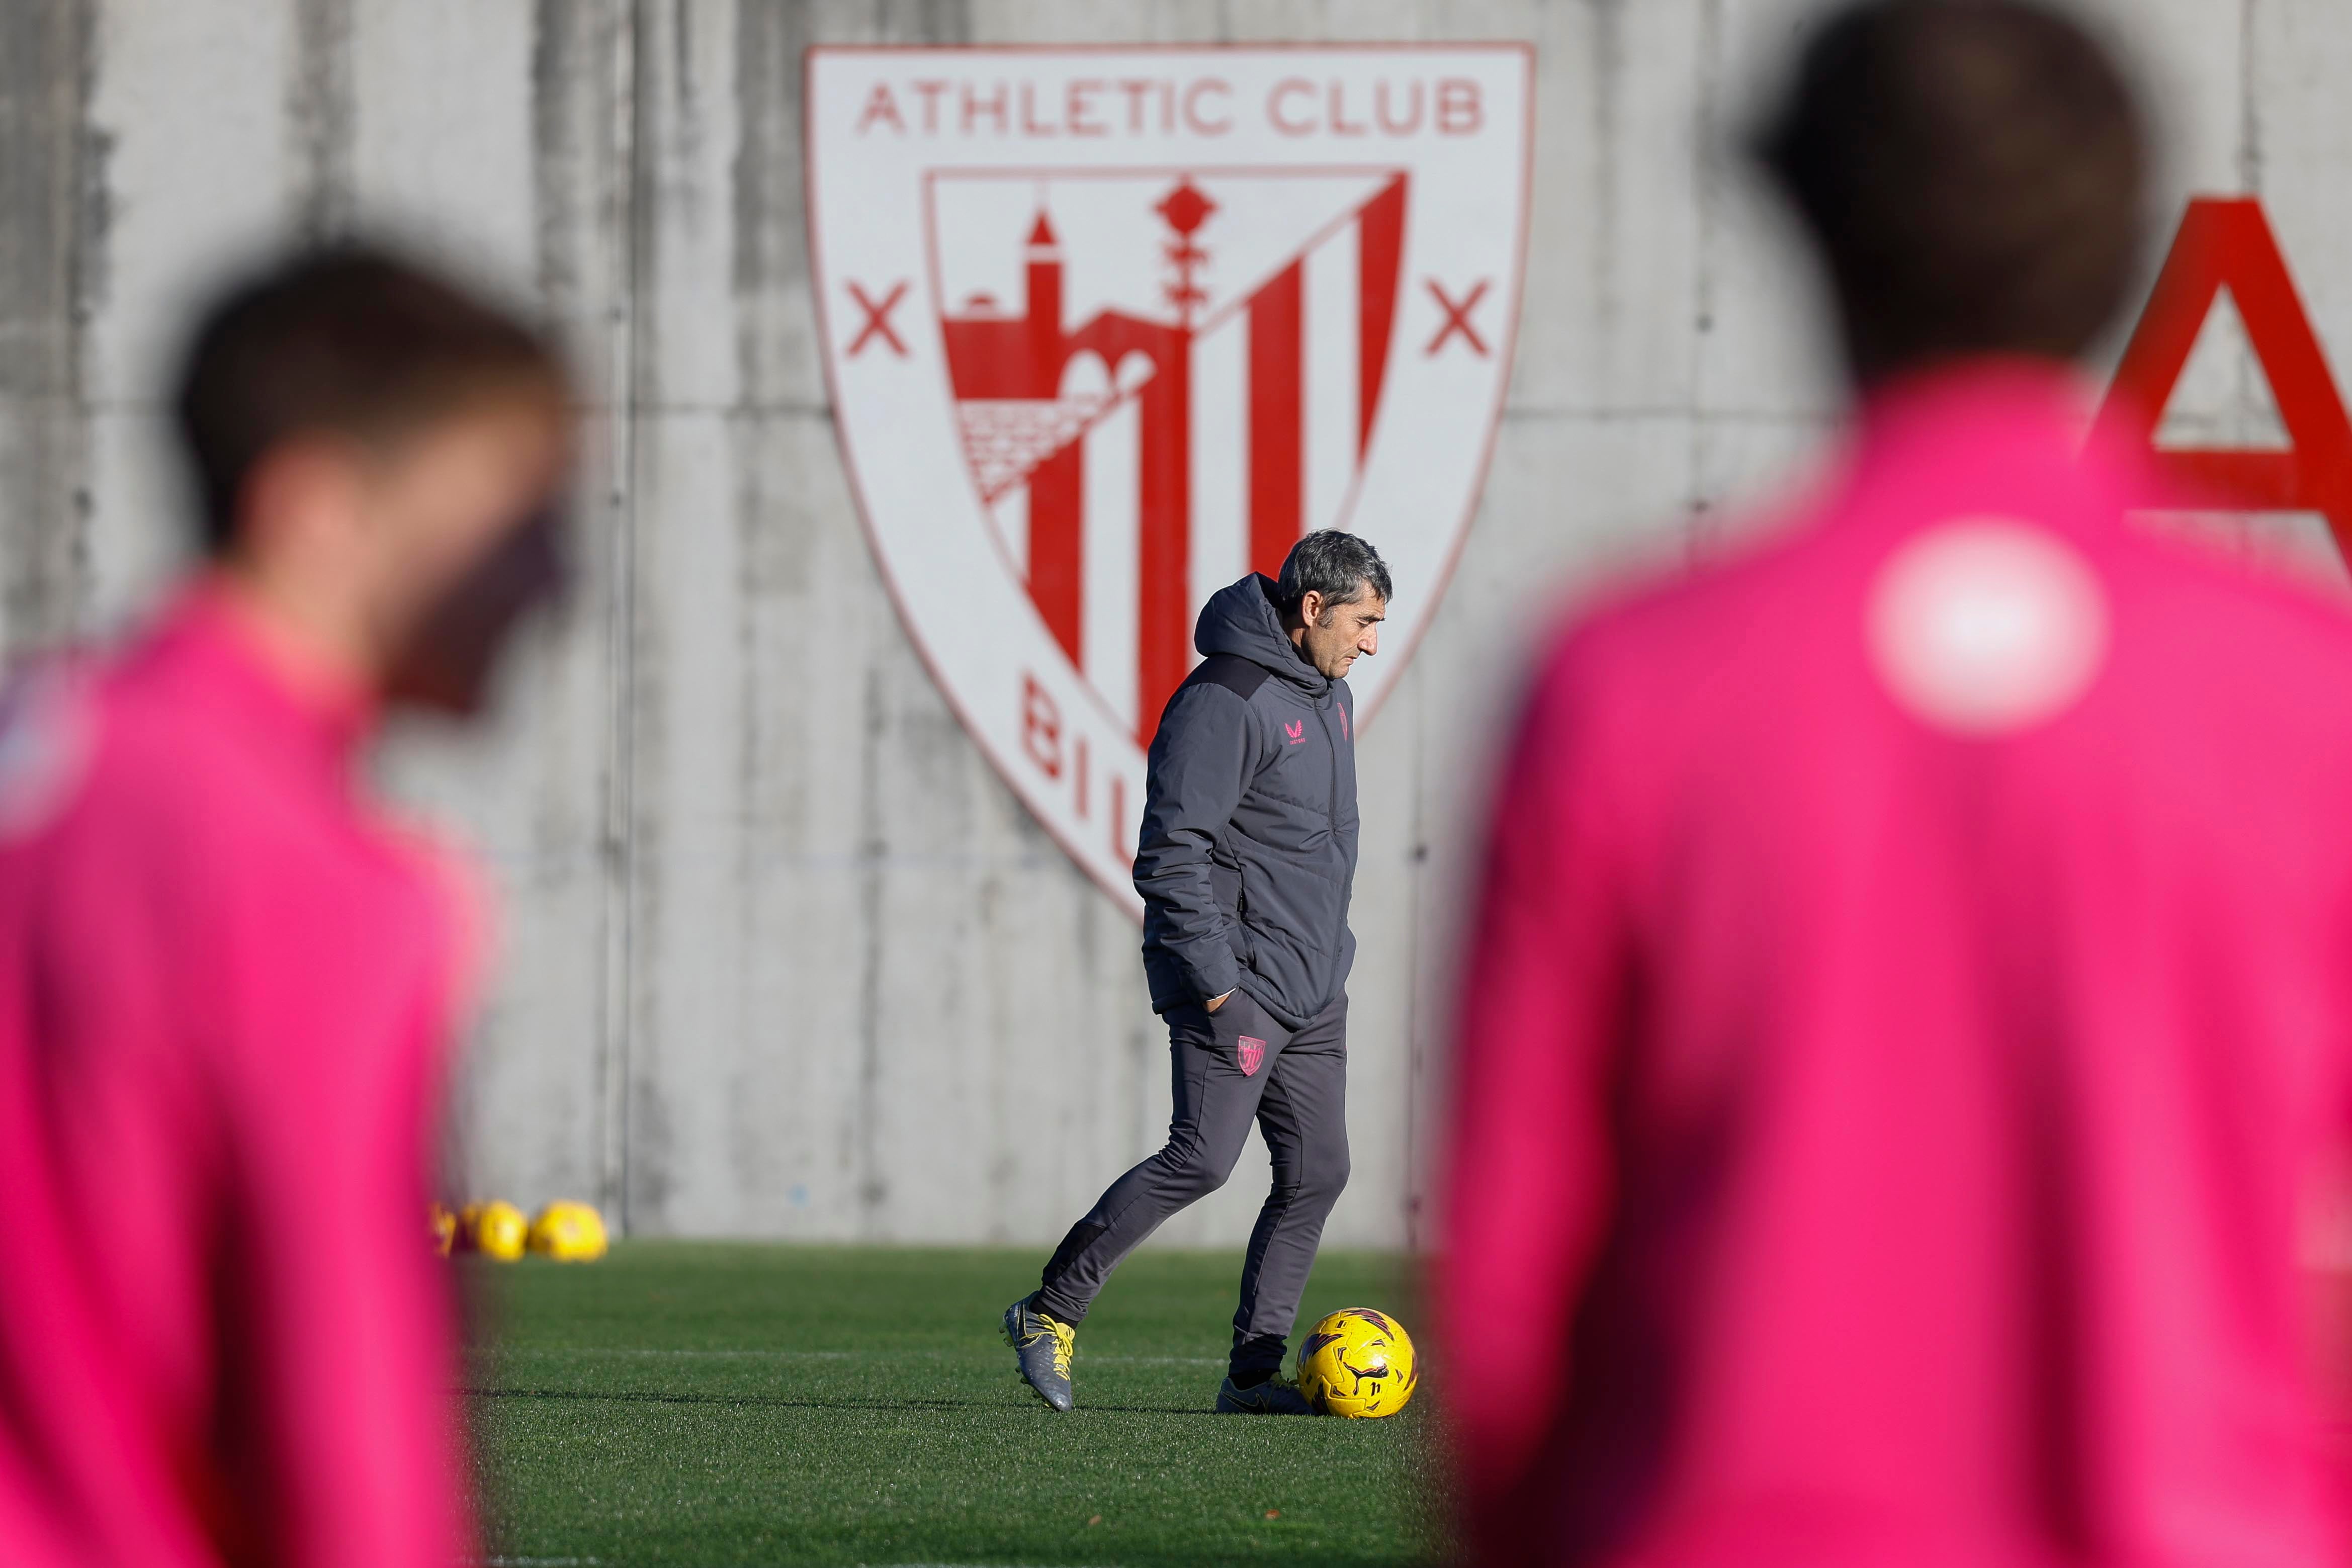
<point>1248,847</point>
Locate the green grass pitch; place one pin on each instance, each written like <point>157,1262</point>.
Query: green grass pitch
<point>734,1404</point>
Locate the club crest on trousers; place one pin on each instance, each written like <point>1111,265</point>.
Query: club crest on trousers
<point>1252,1053</point>
<point>1106,329</point>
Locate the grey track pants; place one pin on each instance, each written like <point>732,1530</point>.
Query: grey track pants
<point>1231,1068</point>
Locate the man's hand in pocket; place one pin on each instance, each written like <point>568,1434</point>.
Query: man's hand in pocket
<point>1216,1001</point>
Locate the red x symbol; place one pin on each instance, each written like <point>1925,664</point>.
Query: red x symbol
<point>1457,317</point>
<point>878,320</point>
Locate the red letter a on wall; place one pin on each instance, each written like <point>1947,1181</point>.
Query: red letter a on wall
<point>2229,243</point>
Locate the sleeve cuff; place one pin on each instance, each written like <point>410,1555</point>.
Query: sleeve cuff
<point>1211,985</point>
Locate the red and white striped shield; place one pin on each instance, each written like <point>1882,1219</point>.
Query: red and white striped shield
<point>1106,329</point>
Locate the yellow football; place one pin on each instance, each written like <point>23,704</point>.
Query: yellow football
<point>1357,1361</point>
<point>495,1229</point>
<point>445,1229</point>
<point>569,1233</point>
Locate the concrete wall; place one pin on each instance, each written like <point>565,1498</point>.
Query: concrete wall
<point>783,956</point>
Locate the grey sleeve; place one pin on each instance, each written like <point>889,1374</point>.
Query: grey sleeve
<point>1201,761</point>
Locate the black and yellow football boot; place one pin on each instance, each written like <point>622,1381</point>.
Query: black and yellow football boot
<point>1042,1346</point>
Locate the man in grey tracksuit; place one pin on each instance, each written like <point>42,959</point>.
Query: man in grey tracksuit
<point>1244,862</point>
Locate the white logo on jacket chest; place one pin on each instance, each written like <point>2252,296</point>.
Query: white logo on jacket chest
<point>46,739</point>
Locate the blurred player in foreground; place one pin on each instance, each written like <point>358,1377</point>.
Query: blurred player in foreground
<point>227,982</point>
<point>1913,991</point>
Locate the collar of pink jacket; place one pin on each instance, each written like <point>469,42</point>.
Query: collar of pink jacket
<point>1990,387</point>
<point>1937,428</point>
<point>319,718</point>
<point>302,698</point>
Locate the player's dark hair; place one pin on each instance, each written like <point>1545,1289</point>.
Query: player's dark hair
<point>349,341</point>
<point>1974,172</point>
<point>1340,566</point>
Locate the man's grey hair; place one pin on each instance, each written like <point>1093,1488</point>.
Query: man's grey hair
<point>1340,566</point>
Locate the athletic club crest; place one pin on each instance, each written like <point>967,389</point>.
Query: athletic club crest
<point>1106,329</point>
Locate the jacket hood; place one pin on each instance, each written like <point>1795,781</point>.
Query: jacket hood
<point>1240,620</point>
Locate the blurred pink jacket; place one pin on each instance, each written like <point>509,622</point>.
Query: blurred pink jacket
<point>1880,1140</point>
<point>224,989</point>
